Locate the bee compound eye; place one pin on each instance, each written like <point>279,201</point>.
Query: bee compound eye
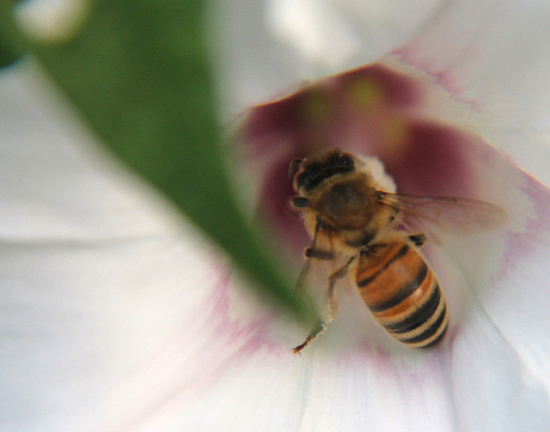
<point>303,179</point>
<point>346,161</point>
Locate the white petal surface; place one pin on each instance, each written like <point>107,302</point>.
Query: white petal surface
<point>116,318</point>
<point>495,55</point>
<point>495,354</point>
<point>267,47</point>
<point>499,66</point>
<point>52,189</point>
<point>138,332</point>
<point>488,61</point>
<point>95,272</point>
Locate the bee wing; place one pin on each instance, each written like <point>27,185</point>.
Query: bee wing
<point>449,215</point>
<point>322,261</point>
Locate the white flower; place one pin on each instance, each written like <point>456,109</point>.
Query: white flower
<point>118,317</point>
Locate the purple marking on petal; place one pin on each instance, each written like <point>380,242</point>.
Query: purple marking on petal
<point>273,117</point>
<point>370,111</point>
<point>219,343</point>
<point>299,121</point>
<point>431,161</point>
<point>276,194</point>
<point>451,78</point>
<point>521,246</point>
<point>227,341</point>
<point>414,371</point>
<point>248,337</point>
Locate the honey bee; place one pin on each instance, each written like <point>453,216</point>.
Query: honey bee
<point>375,236</point>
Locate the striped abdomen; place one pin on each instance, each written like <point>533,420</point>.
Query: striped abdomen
<point>402,293</point>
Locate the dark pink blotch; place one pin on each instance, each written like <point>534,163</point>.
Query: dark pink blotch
<point>433,162</point>
<point>278,211</point>
<point>430,161</point>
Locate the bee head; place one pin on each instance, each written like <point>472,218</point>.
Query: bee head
<point>315,170</point>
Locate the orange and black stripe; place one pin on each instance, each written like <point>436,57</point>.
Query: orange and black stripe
<point>402,293</point>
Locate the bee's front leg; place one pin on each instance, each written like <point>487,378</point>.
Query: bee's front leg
<point>320,327</point>
<point>317,331</point>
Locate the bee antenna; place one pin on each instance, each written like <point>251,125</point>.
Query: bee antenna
<point>292,167</point>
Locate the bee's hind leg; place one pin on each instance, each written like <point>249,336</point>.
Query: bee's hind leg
<point>320,327</point>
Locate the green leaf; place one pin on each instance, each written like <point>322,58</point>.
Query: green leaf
<point>139,71</point>
<point>10,44</point>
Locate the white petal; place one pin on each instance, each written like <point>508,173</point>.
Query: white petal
<point>138,332</point>
<point>267,47</point>
<point>96,276</point>
<point>499,68</point>
<point>496,283</point>
<point>52,189</point>
<point>314,29</point>
<point>78,321</point>
<point>495,388</point>
<point>495,55</point>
